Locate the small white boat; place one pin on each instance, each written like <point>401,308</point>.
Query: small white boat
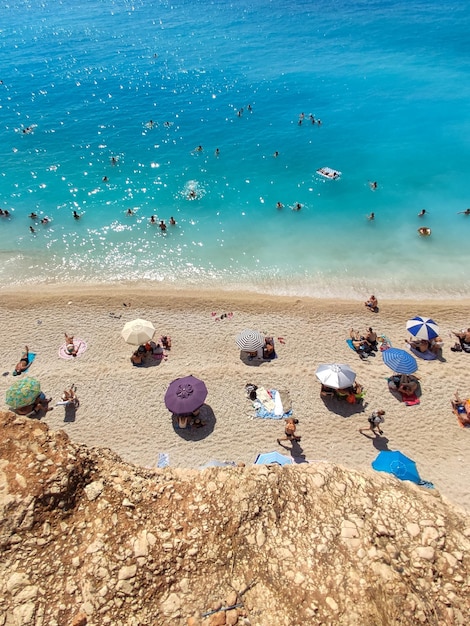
<point>328,172</point>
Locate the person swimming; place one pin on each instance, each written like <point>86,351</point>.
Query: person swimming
<point>424,231</point>
<point>422,212</point>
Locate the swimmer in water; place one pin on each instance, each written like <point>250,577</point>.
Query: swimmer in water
<point>276,154</point>
<point>172,221</point>
<point>45,220</point>
<point>217,152</point>
<point>371,216</point>
<point>153,220</point>
<point>105,179</point>
<point>279,205</point>
<point>33,216</point>
<point>422,212</point>
<point>466,212</point>
<point>192,195</point>
<point>113,161</point>
<point>297,206</point>
<point>424,231</point>
<point>32,229</point>
<point>198,149</point>
<point>373,185</point>
<point>129,212</point>
<point>76,216</point>
<point>162,225</point>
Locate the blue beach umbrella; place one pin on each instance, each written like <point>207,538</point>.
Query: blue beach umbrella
<point>422,328</point>
<point>396,463</point>
<point>267,458</point>
<point>399,361</point>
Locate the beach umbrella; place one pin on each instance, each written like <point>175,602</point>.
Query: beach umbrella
<point>185,395</point>
<point>22,393</point>
<point>250,340</point>
<point>137,332</point>
<point>396,463</point>
<point>422,328</point>
<point>336,375</point>
<point>267,458</point>
<point>399,361</point>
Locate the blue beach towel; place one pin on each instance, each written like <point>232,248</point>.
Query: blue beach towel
<point>31,357</point>
<point>350,344</point>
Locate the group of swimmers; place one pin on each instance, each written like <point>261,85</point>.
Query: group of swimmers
<point>161,224</point>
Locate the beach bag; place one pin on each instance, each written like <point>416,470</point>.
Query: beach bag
<point>351,398</point>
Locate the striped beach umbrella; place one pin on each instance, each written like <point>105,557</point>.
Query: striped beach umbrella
<point>422,328</point>
<point>399,361</point>
<point>250,340</point>
<point>22,393</point>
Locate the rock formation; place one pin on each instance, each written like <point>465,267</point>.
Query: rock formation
<point>87,539</point>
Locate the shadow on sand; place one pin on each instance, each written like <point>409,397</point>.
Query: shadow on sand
<point>193,433</point>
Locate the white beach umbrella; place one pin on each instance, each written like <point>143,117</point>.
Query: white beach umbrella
<point>250,340</point>
<point>336,375</point>
<point>138,331</point>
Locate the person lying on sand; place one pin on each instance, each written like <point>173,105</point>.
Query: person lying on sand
<point>70,346</point>
<point>420,345</point>
<point>360,343</point>
<point>408,385</point>
<point>23,363</point>
<point>461,409</point>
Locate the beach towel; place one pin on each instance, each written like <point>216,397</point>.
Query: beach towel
<point>265,398</point>
<point>273,409</point>
<point>78,343</point>
<point>410,400</point>
<point>31,357</point>
<point>427,356</point>
<point>163,460</point>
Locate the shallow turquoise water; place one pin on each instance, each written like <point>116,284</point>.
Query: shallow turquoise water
<point>389,80</point>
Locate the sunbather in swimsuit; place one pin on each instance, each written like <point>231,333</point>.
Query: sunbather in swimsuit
<point>23,363</point>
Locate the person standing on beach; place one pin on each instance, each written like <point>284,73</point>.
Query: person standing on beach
<point>376,418</point>
<point>289,431</point>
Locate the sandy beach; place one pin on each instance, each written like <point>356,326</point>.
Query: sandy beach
<point>122,408</point>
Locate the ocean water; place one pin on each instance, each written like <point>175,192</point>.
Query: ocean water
<point>388,79</point>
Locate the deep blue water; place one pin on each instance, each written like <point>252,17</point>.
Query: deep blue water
<point>389,81</point>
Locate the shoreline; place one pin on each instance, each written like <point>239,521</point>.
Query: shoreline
<point>146,292</point>
<point>121,407</point>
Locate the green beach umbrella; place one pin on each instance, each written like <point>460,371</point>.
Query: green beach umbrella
<point>22,392</point>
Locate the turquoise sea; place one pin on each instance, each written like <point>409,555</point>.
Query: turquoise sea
<point>389,80</point>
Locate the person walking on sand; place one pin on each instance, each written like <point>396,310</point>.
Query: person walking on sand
<point>376,418</point>
<point>289,431</point>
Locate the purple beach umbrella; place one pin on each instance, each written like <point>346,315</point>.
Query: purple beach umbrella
<point>185,395</point>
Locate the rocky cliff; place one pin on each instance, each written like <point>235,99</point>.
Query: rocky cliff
<point>89,540</point>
